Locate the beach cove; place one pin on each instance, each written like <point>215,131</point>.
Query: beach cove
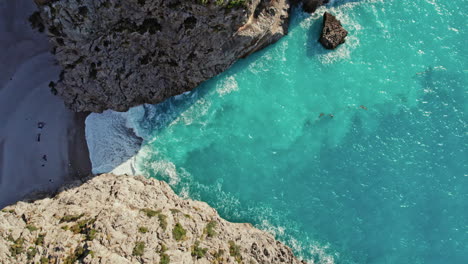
<point>349,156</point>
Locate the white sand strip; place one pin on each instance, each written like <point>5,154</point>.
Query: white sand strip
<point>26,68</point>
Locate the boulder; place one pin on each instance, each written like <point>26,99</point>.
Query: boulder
<point>333,33</point>
<point>310,6</point>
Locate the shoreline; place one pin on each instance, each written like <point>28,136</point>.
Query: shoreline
<point>42,143</point>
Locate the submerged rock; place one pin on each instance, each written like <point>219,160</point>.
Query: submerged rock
<point>117,54</point>
<point>126,219</point>
<point>333,34</point>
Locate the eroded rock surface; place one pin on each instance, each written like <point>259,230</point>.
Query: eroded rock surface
<point>125,219</point>
<point>310,6</point>
<point>333,33</point>
<point>120,53</point>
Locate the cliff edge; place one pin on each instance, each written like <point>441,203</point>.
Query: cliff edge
<point>124,219</point>
<point>116,54</point>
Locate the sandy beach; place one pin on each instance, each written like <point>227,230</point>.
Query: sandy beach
<point>42,143</point>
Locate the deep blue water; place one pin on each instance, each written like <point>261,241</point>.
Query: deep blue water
<point>356,155</point>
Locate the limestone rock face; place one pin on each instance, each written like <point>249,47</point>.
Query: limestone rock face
<point>117,54</point>
<point>333,34</point>
<point>125,219</point>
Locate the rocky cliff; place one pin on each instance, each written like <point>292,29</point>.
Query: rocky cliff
<point>116,54</point>
<point>123,219</point>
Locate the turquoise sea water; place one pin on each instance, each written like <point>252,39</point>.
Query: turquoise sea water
<point>356,155</point>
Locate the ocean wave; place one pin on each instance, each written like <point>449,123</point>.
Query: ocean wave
<point>112,141</point>
<point>227,86</point>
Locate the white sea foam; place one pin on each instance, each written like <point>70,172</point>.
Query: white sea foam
<point>112,141</point>
<point>194,113</point>
<point>166,169</point>
<point>227,86</point>
<point>321,254</point>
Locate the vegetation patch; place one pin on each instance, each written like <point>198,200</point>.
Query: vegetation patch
<point>143,229</point>
<point>44,260</point>
<point>70,218</point>
<point>234,251</point>
<point>32,228</point>
<point>32,251</point>
<point>79,254</point>
<point>150,213</point>
<point>162,221</point>
<point>163,248</point>
<point>91,234</point>
<point>197,251</point>
<point>17,247</point>
<point>139,249</point>
<point>210,229</point>
<point>236,3</point>
<point>161,217</point>
<point>85,227</point>
<point>165,259</point>
<point>178,232</point>
<point>40,239</point>
<point>218,256</point>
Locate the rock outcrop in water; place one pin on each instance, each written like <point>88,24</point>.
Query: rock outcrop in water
<point>124,219</point>
<point>333,34</point>
<point>310,6</point>
<point>117,54</point>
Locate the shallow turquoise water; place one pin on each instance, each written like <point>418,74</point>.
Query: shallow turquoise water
<point>382,180</point>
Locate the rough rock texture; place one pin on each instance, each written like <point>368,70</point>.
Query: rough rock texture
<point>310,6</point>
<point>333,34</point>
<point>120,53</point>
<point>124,219</point>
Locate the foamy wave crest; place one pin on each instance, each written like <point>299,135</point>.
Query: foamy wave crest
<point>113,141</point>
<point>312,251</point>
<point>194,113</point>
<point>227,86</point>
<point>320,253</point>
<point>167,170</point>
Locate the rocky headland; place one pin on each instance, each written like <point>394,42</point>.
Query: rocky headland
<point>124,219</point>
<point>116,54</point>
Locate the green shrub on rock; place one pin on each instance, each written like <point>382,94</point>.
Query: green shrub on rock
<point>150,213</point>
<point>143,229</point>
<point>139,249</point>
<point>178,232</point>
<point>162,221</point>
<point>40,240</point>
<point>210,229</point>
<point>197,251</point>
<point>17,247</point>
<point>234,251</point>
<point>165,259</point>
